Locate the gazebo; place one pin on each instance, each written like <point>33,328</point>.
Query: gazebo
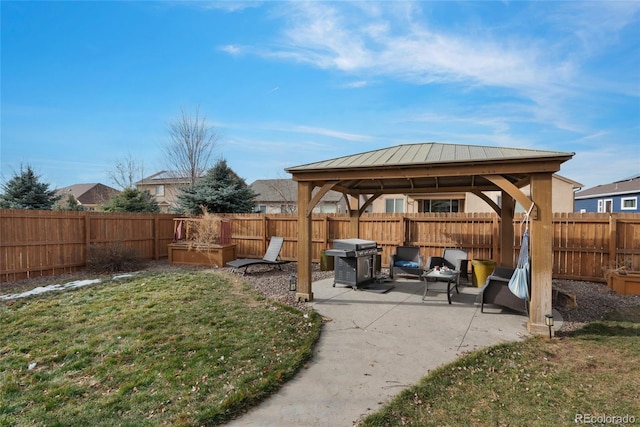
<point>433,168</point>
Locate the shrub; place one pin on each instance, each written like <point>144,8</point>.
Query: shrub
<point>111,258</point>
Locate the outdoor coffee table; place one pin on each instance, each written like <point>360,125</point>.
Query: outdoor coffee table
<point>450,277</point>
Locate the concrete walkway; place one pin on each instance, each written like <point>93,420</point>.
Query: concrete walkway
<point>377,344</point>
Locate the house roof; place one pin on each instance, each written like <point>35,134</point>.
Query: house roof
<point>575,184</point>
<point>165,177</point>
<point>626,186</point>
<point>88,194</point>
<point>284,190</point>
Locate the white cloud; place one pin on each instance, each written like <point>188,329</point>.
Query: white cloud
<point>356,84</point>
<point>397,42</point>
<point>227,5</point>
<point>231,49</point>
<point>332,133</point>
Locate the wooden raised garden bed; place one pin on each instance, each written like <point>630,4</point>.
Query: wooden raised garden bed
<point>201,254</point>
<point>625,282</point>
<point>204,241</point>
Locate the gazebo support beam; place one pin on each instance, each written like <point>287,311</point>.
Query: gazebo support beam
<point>488,201</point>
<point>320,194</point>
<point>541,243</point>
<point>305,293</point>
<point>354,216</point>
<point>514,192</point>
<point>506,230</point>
<point>368,203</point>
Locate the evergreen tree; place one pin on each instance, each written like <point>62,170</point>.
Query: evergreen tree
<point>26,191</point>
<point>70,204</point>
<point>132,200</point>
<point>221,190</point>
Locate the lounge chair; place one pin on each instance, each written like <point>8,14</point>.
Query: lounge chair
<point>496,291</point>
<point>270,257</point>
<point>406,260</point>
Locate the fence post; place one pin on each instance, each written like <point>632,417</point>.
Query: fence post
<point>87,236</point>
<point>265,234</point>
<point>496,239</point>
<point>613,242</point>
<point>325,238</point>
<point>156,239</point>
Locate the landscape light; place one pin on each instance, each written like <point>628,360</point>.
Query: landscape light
<point>548,320</point>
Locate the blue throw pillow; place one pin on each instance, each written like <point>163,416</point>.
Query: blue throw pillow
<point>406,264</point>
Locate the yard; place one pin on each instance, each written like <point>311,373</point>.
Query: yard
<point>185,346</point>
<point>173,348</point>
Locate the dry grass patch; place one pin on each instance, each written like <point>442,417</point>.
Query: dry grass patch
<point>170,348</point>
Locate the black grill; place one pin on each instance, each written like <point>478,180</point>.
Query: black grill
<point>354,261</point>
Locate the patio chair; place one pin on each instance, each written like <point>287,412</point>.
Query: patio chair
<point>407,260</point>
<point>455,259</point>
<point>270,257</point>
<point>496,291</point>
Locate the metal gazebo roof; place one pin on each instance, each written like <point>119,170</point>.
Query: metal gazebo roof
<point>430,167</point>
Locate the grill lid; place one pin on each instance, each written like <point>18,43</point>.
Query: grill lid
<point>354,244</point>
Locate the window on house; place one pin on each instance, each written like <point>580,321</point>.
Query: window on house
<point>261,209</point>
<point>442,205</point>
<point>328,208</point>
<point>605,205</point>
<point>394,205</point>
<point>159,190</point>
<point>288,208</point>
<point>629,203</point>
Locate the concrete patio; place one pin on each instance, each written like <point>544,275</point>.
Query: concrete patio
<point>374,345</point>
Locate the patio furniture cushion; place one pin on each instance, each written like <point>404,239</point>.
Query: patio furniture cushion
<point>406,260</point>
<point>406,263</point>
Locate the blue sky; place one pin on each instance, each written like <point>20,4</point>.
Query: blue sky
<point>85,84</point>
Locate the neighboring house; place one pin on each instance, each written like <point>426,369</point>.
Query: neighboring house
<point>164,186</point>
<point>90,196</point>
<point>563,192</point>
<point>620,196</point>
<point>281,196</point>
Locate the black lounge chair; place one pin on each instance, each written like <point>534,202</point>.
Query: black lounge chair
<point>496,292</point>
<point>270,257</point>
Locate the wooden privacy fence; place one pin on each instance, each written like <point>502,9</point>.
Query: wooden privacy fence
<point>584,245</point>
<point>36,243</point>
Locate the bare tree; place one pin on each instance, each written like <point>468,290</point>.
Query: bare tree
<point>286,189</point>
<point>126,172</point>
<point>191,144</point>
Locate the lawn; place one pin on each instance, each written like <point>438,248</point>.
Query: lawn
<point>179,348</point>
<point>591,375</point>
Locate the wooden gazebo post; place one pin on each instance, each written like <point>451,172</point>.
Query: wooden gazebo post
<point>541,244</point>
<point>506,230</point>
<point>305,293</point>
<point>354,216</point>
